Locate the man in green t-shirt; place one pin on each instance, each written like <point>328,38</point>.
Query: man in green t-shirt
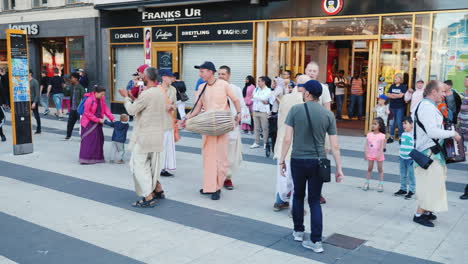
<point>308,147</point>
<point>76,93</point>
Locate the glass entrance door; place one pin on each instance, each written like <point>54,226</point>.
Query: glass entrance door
<point>165,57</point>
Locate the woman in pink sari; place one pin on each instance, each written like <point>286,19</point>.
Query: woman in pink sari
<point>248,94</point>
<point>92,136</point>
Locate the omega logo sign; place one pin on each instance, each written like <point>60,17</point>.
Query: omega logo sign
<point>31,29</point>
<point>126,35</point>
<point>174,15</point>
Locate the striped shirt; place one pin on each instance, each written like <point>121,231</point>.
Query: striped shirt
<point>406,145</point>
<point>356,87</point>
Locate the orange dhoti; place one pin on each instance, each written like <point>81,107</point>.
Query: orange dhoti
<point>215,162</point>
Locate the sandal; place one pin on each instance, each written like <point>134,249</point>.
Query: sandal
<point>143,203</point>
<point>159,195</point>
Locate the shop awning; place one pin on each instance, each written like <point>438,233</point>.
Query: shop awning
<point>132,4</point>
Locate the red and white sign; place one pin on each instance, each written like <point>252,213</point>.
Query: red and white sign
<point>332,7</point>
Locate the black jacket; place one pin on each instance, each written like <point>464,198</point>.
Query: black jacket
<point>120,131</point>
<point>458,103</point>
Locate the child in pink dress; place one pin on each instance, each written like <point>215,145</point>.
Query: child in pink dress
<point>374,151</point>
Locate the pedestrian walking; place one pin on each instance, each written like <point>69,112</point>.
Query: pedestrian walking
<point>247,94</point>
<point>235,140</point>
<point>284,184</point>
<point>463,122</point>
<point>396,93</point>
<point>374,152</point>
<point>66,97</point>
<point>119,136</point>
<point>214,96</point>
<point>431,193</point>
<point>453,101</point>
<point>146,141</point>
<point>44,83</point>
<point>35,100</point>
<point>4,89</point>
<point>92,136</point>
<point>84,81</point>
<point>2,122</point>
<point>55,88</point>
<point>182,97</point>
<point>407,180</point>
<point>308,158</point>
<point>261,110</point>
<point>170,96</point>
<point>76,93</point>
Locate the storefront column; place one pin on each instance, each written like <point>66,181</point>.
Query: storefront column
<point>260,49</point>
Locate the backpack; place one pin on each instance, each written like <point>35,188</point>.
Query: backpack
<point>80,109</point>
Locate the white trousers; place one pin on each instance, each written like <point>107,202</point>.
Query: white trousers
<point>181,108</point>
<point>145,169</point>
<point>234,152</point>
<point>169,153</point>
<point>118,151</point>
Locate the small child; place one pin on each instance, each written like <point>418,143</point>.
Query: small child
<point>374,151</point>
<point>406,163</point>
<point>119,136</point>
<point>382,109</point>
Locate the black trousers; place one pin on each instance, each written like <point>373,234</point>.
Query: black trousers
<point>37,117</point>
<point>1,132</point>
<point>72,118</point>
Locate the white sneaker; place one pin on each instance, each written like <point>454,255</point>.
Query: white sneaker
<point>380,188</point>
<point>316,247</point>
<point>298,236</point>
<point>254,146</point>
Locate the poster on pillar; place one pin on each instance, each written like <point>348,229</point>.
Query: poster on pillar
<point>18,68</point>
<point>147,39</point>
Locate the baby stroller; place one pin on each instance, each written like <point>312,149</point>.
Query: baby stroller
<point>272,132</point>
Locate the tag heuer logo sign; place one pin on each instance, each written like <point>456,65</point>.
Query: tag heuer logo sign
<point>332,7</point>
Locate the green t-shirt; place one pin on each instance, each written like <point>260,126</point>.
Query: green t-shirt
<point>304,138</point>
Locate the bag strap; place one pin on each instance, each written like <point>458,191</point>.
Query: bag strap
<point>310,125</point>
<point>422,126</point>
<point>199,97</point>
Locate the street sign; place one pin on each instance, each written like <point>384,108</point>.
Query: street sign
<point>20,99</point>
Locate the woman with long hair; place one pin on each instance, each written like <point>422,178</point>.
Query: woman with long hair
<point>92,136</point>
<point>247,92</point>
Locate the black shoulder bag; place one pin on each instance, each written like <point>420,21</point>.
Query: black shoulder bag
<point>324,168</point>
<point>418,157</point>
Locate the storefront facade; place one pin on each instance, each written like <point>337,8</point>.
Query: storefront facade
<point>67,44</point>
<point>423,40</point>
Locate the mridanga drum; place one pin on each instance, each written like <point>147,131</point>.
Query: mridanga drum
<point>211,123</point>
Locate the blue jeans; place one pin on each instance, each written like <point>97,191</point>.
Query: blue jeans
<point>58,101</point>
<point>339,105</point>
<point>304,174</point>
<point>355,99</point>
<point>45,101</point>
<point>407,175</point>
<point>398,114</point>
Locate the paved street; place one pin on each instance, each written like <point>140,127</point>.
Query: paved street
<point>53,210</point>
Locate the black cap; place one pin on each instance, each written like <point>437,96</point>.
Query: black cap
<point>313,87</point>
<point>164,72</point>
<point>207,65</point>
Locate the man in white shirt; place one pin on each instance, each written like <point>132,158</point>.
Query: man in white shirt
<point>430,183</point>
<point>261,110</point>
<point>312,70</point>
<point>235,140</point>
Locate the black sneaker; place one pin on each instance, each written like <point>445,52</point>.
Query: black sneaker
<point>216,195</point>
<point>37,132</point>
<point>205,193</point>
<point>430,216</point>
<point>464,196</point>
<point>422,220</point>
<point>280,206</point>
<point>165,173</point>
<point>400,193</point>
<point>390,140</point>
<point>409,195</point>
<point>3,138</point>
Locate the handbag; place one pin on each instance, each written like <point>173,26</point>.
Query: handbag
<point>324,166</point>
<point>183,96</point>
<point>422,160</point>
<point>246,118</point>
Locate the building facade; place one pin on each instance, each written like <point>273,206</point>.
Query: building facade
<point>62,34</point>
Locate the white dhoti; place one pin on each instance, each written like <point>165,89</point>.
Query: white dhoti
<point>234,151</point>
<point>169,152</point>
<point>430,187</point>
<point>284,184</point>
<point>145,169</point>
